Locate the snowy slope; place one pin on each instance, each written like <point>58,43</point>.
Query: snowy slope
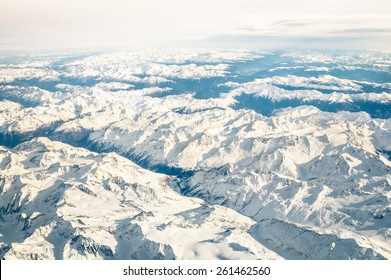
<point>303,166</point>
<point>301,183</point>
<point>61,202</point>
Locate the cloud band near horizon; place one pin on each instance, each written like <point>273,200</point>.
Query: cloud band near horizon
<point>45,24</point>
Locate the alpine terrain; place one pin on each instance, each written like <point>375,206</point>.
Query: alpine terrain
<point>195,154</point>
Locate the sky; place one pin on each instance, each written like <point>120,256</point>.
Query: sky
<point>64,24</point>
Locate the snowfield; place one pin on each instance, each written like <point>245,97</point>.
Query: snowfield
<point>62,202</point>
<point>156,155</point>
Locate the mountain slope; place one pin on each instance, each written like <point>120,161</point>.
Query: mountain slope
<point>298,144</point>
<point>61,202</point>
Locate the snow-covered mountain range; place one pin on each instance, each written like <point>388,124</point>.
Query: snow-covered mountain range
<point>196,155</point>
<point>62,202</point>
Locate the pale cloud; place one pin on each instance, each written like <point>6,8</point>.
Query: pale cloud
<point>36,24</point>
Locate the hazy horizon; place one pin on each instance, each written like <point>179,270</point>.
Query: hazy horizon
<point>251,24</point>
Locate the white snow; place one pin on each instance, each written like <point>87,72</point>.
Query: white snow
<point>301,183</point>
<point>88,202</point>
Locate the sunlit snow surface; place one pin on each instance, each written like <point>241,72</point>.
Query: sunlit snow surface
<point>189,154</point>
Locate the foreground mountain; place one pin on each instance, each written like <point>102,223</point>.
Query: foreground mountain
<point>61,202</point>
